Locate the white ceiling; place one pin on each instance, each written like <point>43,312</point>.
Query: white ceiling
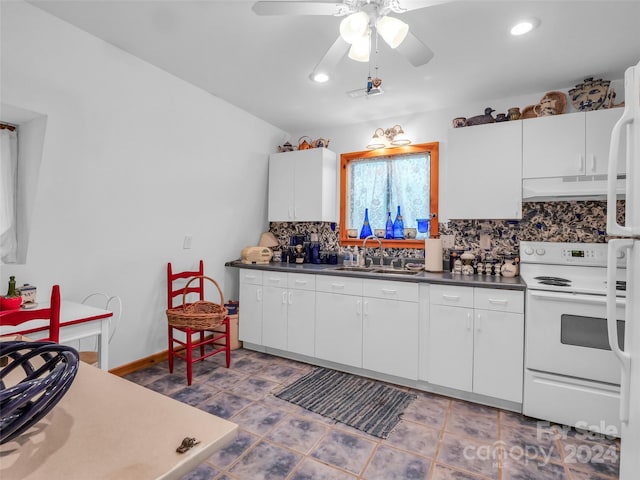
<point>262,63</point>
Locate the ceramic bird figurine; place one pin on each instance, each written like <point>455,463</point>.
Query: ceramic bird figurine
<point>480,119</point>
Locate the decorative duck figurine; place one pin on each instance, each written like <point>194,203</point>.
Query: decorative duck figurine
<point>481,119</point>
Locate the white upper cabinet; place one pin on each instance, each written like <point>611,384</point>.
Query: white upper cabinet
<point>484,172</point>
<point>572,144</point>
<point>303,186</point>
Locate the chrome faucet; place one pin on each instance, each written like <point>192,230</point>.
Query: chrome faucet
<point>364,248</point>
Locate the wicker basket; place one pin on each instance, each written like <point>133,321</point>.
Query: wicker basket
<point>200,315</point>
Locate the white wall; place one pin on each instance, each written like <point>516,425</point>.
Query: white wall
<point>423,127</point>
<point>133,159</point>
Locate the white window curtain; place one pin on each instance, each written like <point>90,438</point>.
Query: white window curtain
<point>384,183</point>
<point>8,194</point>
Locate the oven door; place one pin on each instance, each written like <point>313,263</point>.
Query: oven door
<point>567,334</point>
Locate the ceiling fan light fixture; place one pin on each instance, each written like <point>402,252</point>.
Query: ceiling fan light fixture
<point>392,30</point>
<point>360,49</point>
<point>354,26</point>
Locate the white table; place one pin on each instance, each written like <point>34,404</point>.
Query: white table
<point>77,321</point>
<point>108,428</point>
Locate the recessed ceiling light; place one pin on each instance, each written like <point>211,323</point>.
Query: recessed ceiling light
<point>319,77</point>
<point>524,27</point>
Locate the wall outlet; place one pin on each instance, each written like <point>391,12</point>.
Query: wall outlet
<point>186,244</point>
<point>448,241</point>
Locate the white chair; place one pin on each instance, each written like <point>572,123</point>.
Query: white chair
<point>111,303</point>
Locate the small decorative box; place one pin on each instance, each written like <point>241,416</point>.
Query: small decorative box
<point>28,293</point>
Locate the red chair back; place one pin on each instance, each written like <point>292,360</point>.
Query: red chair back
<point>178,291</point>
<point>52,313</point>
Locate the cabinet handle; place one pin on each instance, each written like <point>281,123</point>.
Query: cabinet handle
<point>274,279</point>
<point>366,309</point>
<point>250,277</point>
<point>290,298</point>
<point>499,301</point>
<point>450,297</point>
<point>300,282</point>
<point>469,322</point>
<point>295,212</point>
<point>359,307</point>
<point>478,323</point>
<point>337,285</point>
<point>389,291</point>
<point>259,294</point>
<point>580,163</point>
<point>284,297</point>
<point>593,162</point>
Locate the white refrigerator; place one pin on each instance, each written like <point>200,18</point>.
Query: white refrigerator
<point>627,243</point>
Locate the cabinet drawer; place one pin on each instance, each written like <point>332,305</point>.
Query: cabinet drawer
<point>274,279</point>
<point>451,295</point>
<point>252,277</point>
<point>390,290</point>
<point>301,281</point>
<point>499,300</point>
<point>343,285</point>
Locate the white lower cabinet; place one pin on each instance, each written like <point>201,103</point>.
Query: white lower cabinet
<point>301,313</point>
<point>275,315</point>
<point>476,340</point>
<point>469,339</point>
<point>250,316</point>
<point>339,320</point>
<point>390,328</point>
<point>274,310</point>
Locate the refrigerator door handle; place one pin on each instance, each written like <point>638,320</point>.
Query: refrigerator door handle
<point>629,116</point>
<point>612,322</point>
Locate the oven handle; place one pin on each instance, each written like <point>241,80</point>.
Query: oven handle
<point>613,248</point>
<point>576,298</point>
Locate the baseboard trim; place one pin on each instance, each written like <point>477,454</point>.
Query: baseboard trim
<point>139,364</point>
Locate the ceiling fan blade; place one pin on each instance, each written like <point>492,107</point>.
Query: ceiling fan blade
<point>414,50</point>
<point>407,5</point>
<point>300,8</point>
<point>330,59</point>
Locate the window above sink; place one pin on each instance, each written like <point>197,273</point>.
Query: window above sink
<point>382,179</point>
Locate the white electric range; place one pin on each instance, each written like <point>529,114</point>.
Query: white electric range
<point>571,375</point>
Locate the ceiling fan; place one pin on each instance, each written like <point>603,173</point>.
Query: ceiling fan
<point>363,18</point>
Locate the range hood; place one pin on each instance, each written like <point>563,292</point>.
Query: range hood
<point>583,187</point>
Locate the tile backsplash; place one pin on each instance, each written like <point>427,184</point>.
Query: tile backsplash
<point>574,221</point>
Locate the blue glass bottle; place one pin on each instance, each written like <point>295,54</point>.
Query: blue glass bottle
<point>366,228</point>
<point>388,231</point>
<point>398,226</point>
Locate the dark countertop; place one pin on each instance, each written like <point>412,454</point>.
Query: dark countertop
<point>448,278</point>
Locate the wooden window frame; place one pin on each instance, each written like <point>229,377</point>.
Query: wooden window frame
<point>433,150</point>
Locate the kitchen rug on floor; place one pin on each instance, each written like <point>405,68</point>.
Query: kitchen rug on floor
<point>370,406</point>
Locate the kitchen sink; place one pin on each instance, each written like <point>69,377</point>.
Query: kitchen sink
<point>393,271</point>
<point>354,269</point>
<point>379,271</point>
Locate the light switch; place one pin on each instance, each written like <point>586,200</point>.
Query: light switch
<point>186,244</point>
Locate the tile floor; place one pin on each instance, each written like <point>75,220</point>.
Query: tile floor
<point>438,438</point>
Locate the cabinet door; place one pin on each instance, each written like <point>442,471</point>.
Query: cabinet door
<point>599,125</point>
<point>315,185</point>
<point>250,318</point>
<point>478,157</point>
<point>274,317</point>
<point>498,354</point>
<point>339,328</point>
<point>301,322</point>
<point>553,146</point>
<point>390,337</point>
<point>281,182</point>
<point>450,352</point>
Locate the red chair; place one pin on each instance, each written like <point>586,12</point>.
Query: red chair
<point>218,338</point>
<point>52,313</point>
